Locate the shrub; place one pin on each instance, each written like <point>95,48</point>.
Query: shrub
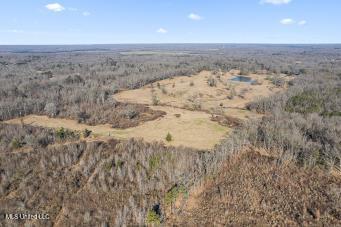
<point>153,217</point>
<point>154,162</point>
<point>173,194</point>
<point>86,133</point>
<point>107,166</point>
<point>16,143</point>
<point>169,137</point>
<point>61,133</point>
<point>196,105</point>
<point>82,116</point>
<point>131,113</point>
<point>119,164</point>
<point>64,134</point>
<point>155,100</point>
<point>212,82</point>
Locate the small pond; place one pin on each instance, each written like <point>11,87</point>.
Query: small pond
<point>245,79</point>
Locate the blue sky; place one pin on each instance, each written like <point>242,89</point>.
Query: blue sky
<point>169,21</point>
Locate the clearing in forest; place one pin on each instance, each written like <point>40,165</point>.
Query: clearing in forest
<point>216,93</point>
<point>187,128</point>
<point>190,102</point>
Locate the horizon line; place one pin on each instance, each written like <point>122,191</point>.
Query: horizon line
<point>170,43</point>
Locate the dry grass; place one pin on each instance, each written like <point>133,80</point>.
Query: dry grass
<point>185,92</point>
<point>191,129</point>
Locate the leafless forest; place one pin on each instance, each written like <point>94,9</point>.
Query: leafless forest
<point>281,169</point>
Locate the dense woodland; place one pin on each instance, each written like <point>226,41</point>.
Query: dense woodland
<point>133,182</point>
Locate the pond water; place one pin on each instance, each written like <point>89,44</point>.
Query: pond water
<point>245,79</point>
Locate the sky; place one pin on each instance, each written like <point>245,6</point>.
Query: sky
<point>169,21</point>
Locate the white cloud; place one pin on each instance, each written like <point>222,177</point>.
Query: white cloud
<point>275,2</point>
<point>290,21</point>
<point>55,7</point>
<point>194,16</point>
<point>162,30</point>
<point>287,21</point>
<point>302,22</point>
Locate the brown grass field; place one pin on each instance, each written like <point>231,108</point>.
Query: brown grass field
<point>190,92</point>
